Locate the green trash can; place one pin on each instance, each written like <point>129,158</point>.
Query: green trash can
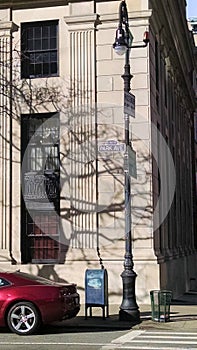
<point>160,305</point>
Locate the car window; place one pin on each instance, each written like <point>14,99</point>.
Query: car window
<point>3,282</point>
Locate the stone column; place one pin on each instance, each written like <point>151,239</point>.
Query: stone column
<point>6,30</point>
<point>82,130</point>
<point>82,57</point>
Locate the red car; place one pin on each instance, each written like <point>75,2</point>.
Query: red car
<point>28,301</point>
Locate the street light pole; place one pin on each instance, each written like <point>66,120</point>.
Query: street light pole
<point>129,309</point>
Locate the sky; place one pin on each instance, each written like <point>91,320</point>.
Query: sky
<point>191,8</point>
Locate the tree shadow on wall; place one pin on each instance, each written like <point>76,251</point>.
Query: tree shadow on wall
<point>48,271</point>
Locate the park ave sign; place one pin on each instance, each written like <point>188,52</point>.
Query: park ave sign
<point>115,146</point>
<point>111,146</point>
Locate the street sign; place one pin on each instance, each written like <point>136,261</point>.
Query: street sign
<point>132,162</point>
<point>111,146</point>
<point>129,104</point>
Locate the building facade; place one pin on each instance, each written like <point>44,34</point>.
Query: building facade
<point>192,22</point>
<point>62,143</point>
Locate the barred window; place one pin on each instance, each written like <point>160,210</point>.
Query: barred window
<point>40,231</point>
<point>39,49</point>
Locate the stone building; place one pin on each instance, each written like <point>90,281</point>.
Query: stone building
<point>192,22</point>
<point>62,143</point>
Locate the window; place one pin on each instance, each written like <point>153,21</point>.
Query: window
<point>157,73</point>
<point>195,126</point>
<point>40,233</point>
<point>39,49</point>
<point>3,282</point>
<point>43,232</point>
<point>157,65</point>
<point>194,28</point>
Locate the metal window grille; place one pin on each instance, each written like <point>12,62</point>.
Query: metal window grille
<point>43,231</point>
<point>40,212</point>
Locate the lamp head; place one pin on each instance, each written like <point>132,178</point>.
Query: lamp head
<point>120,45</point>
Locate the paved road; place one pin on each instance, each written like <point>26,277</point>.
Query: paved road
<point>60,338</point>
<point>72,339</point>
<point>148,340</point>
<point>95,334</point>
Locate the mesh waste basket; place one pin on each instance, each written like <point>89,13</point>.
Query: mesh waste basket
<point>160,305</point>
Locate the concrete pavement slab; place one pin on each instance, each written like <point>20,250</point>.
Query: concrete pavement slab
<point>183,316</point>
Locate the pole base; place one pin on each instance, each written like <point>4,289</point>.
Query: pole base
<point>129,310</point>
<point>129,315</point>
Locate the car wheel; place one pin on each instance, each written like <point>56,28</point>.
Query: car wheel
<point>23,318</point>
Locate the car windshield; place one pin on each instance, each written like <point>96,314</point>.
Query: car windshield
<point>35,278</point>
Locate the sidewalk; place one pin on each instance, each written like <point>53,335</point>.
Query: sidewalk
<point>183,317</point>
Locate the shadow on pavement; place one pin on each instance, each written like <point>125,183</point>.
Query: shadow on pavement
<point>186,299</point>
<point>94,324</point>
<point>80,326</point>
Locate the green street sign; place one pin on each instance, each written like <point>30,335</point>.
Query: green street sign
<point>132,162</point>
